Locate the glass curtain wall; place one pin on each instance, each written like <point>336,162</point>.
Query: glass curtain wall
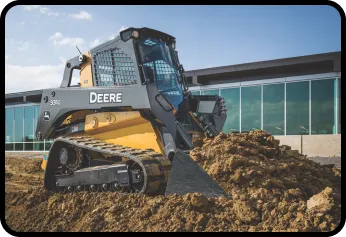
<point>273,109</point>
<point>297,108</point>
<point>322,107</point>
<point>250,108</point>
<point>29,128</point>
<point>232,99</point>
<point>290,108</point>
<point>9,129</point>
<point>196,92</point>
<point>210,92</point>
<point>20,127</point>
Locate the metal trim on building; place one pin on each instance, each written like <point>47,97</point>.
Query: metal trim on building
<point>21,105</point>
<point>240,109</point>
<point>285,111</point>
<point>322,76</point>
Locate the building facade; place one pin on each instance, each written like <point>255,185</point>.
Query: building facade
<point>293,99</point>
<point>20,123</point>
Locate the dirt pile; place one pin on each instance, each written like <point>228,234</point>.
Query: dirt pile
<point>22,173</point>
<point>24,165</point>
<point>256,160</point>
<point>273,189</point>
<point>277,182</point>
<point>42,211</point>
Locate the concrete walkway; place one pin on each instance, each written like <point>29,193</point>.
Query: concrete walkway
<point>327,160</point>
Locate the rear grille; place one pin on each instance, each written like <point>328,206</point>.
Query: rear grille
<point>113,67</point>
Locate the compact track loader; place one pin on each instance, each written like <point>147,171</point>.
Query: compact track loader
<point>130,123</point>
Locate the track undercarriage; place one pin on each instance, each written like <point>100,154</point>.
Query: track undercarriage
<point>88,164</point>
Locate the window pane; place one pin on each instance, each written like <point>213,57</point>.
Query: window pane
<point>339,105</point>
<point>9,146</point>
<point>297,108</point>
<point>195,92</point>
<point>38,146</point>
<point>322,107</point>
<point>48,145</point>
<point>273,109</point>
<point>19,118</point>
<point>232,100</point>
<point>250,108</point>
<point>9,117</point>
<point>29,124</point>
<point>29,146</point>
<point>18,146</point>
<point>210,92</point>
<point>37,114</point>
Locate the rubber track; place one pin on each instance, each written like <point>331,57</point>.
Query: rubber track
<point>155,167</point>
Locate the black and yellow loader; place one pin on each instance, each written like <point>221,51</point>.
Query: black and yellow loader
<point>129,124</point>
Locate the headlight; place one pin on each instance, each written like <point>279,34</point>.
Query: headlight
<point>129,33</point>
<point>135,34</point>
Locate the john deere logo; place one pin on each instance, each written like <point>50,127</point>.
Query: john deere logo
<point>46,115</point>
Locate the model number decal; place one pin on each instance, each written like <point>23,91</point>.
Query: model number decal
<point>54,102</point>
<point>105,97</point>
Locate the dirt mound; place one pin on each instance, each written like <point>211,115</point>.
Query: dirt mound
<point>22,173</point>
<point>273,189</point>
<point>43,211</point>
<point>274,180</point>
<point>256,160</point>
<point>24,165</point>
<point>39,210</point>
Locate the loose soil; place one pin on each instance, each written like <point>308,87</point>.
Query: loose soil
<point>273,188</point>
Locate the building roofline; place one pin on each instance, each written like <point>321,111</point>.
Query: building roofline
<point>266,64</point>
<point>23,93</point>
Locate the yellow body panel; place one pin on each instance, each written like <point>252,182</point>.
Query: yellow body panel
<point>44,162</point>
<point>76,115</point>
<point>124,128</point>
<point>67,120</point>
<point>86,79</point>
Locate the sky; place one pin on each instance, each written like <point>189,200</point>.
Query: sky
<point>40,39</point>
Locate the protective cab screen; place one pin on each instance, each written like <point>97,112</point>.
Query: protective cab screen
<point>206,107</point>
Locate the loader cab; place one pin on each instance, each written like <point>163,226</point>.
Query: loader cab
<point>158,61</point>
<point>161,68</point>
